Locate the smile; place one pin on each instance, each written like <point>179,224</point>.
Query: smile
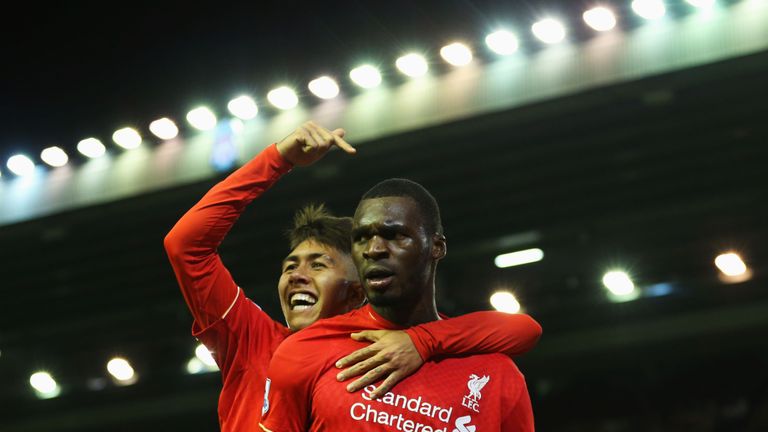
<point>301,301</point>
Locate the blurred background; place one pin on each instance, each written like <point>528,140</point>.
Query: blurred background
<point>603,170</point>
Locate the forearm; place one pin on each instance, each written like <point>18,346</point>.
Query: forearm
<point>477,333</point>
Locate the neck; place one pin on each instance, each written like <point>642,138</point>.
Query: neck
<point>409,313</point>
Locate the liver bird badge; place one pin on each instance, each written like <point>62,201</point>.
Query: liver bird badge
<point>475,384</point>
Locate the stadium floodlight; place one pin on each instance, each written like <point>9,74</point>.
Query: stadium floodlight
<point>283,98</point>
<point>649,9</point>
<point>121,370</point>
<point>413,65</point>
<point>202,353</point>
<point>456,54</point>
<point>618,283</point>
<point>54,156</point>
<point>526,256</point>
<point>44,385</point>
<point>91,148</point>
<point>502,42</point>
<point>202,118</point>
<point>505,301</point>
<point>549,30</point>
<point>600,18</point>
<point>164,128</point>
<point>365,76</point>
<point>127,138</point>
<point>324,87</point>
<point>243,107</point>
<point>20,165</point>
<point>731,264</point>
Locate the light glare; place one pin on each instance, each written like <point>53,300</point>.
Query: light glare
<point>701,3</point>
<point>505,301</point>
<point>127,138</point>
<point>20,165</point>
<point>731,264</point>
<point>91,147</point>
<point>618,283</point>
<point>202,118</point>
<point>413,65</point>
<point>243,107</point>
<point>600,18</point>
<point>649,9</point>
<point>120,369</point>
<point>324,87</point>
<point>457,54</point>
<point>283,98</point>
<point>164,128</point>
<point>204,355</point>
<point>44,385</point>
<point>502,42</point>
<point>519,258</point>
<point>54,156</point>
<point>549,31</point>
<point>366,76</point>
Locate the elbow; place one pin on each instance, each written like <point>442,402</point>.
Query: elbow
<point>530,330</point>
<point>174,243</point>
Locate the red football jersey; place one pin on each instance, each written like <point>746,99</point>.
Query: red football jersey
<point>471,394</point>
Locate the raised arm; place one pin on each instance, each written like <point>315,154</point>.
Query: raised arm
<point>192,244</point>
<point>395,354</point>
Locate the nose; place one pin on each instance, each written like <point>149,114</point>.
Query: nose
<point>298,276</point>
<point>376,248</point>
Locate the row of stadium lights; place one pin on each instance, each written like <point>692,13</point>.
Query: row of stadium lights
<point>618,283</point>
<point>502,42</point>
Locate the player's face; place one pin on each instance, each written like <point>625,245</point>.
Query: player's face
<point>317,281</point>
<point>391,250</point>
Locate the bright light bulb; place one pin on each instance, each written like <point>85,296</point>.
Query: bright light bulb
<point>164,128</point>
<point>243,107</point>
<point>366,76</point>
<point>120,369</point>
<point>20,165</point>
<point>127,138</point>
<point>549,31</point>
<point>649,9</point>
<point>202,118</point>
<point>502,42</point>
<point>600,18</point>
<point>505,301</point>
<point>414,65</point>
<point>619,283</point>
<point>91,147</point>
<point>731,264</point>
<point>519,258</point>
<point>324,87</point>
<point>204,355</point>
<point>195,366</point>
<point>283,98</point>
<point>54,156</point>
<point>44,384</point>
<point>457,54</point>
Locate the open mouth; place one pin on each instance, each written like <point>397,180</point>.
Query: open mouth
<point>301,301</point>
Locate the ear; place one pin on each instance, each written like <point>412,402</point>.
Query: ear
<point>439,247</point>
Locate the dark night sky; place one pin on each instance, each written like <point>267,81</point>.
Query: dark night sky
<point>76,69</point>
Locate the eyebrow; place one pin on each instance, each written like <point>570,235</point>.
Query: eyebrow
<point>392,226</point>
<point>310,257</point>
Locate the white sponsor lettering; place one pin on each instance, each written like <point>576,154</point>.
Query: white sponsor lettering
<point>462,424</point>
<point>364,412</point>
<point>417,404</point>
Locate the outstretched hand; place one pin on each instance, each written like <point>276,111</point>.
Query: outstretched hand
<point>392,356</point>
<point>310,142</point>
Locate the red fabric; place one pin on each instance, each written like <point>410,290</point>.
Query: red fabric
<point>476,333</point>
<point>305,395</point>
<point>243,342</point>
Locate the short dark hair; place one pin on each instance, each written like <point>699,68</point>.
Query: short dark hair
<point>314,222</point>
<point>399,187</point>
